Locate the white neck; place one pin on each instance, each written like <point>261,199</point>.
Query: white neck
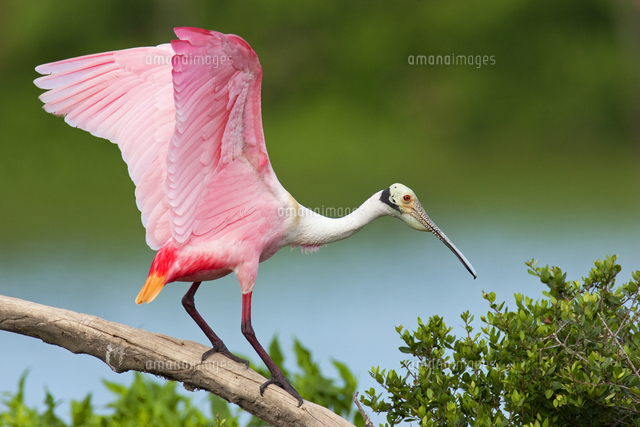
<point>316,230</point>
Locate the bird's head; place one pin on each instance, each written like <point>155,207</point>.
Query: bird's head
<point>402,203</point>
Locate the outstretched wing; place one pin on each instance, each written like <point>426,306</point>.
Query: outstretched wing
<point>126,97</point>
<point>187,119</point>
<point>218,171</point>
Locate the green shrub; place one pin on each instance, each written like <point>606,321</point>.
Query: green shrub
<point>569,359</point>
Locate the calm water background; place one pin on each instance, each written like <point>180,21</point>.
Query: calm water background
<point>341,302</point>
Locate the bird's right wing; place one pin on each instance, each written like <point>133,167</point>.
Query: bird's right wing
<point>126,97</point>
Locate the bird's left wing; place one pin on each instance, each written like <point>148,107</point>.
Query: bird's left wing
<point>219,179</point>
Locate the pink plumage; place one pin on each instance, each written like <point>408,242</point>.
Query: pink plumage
<point>126,98</point>
<point>186,117</point>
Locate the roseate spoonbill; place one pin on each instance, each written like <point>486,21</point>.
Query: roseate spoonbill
<point>186,116</point>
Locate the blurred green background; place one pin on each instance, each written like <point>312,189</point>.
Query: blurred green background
<point>550,129</point>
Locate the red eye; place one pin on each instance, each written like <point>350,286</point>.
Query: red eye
<point>407,198</point>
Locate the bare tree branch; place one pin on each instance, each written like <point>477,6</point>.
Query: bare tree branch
<point>367,421</point>
<point>124,348</point>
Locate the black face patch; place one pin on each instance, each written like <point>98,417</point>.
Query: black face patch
<point>385,198</point>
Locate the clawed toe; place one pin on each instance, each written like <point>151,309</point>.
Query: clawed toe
<point>284,384</point>
<point>225,352</point>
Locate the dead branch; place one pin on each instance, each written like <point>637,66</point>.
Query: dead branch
<point>124,348</point>
<point>367,421</point>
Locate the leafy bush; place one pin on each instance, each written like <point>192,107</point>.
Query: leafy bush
<point>148,402</point>
<point>569,359</point>
<point>145,402</point>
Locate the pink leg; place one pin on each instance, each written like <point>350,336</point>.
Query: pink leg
<point>277,377</point>
<point>216,343</point>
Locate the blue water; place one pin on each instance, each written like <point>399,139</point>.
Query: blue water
<point>342,302</point>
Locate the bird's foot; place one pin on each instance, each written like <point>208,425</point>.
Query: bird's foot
<point>279,380</point>
<point>223,350</point>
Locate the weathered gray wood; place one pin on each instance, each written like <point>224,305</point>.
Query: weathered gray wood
<point>124,348</point>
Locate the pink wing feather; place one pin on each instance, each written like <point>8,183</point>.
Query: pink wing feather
<point>217,162</point>
<point>126,97</point>
<point>187,119</point>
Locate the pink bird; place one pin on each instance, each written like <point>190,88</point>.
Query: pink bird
<point>186,116</point>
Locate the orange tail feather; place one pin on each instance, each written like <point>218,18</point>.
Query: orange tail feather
<point>151,288</point>
<point>158,273</point>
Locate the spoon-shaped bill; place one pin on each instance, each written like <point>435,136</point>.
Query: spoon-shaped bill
<point>422,216</point>
<point>444,239</point>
